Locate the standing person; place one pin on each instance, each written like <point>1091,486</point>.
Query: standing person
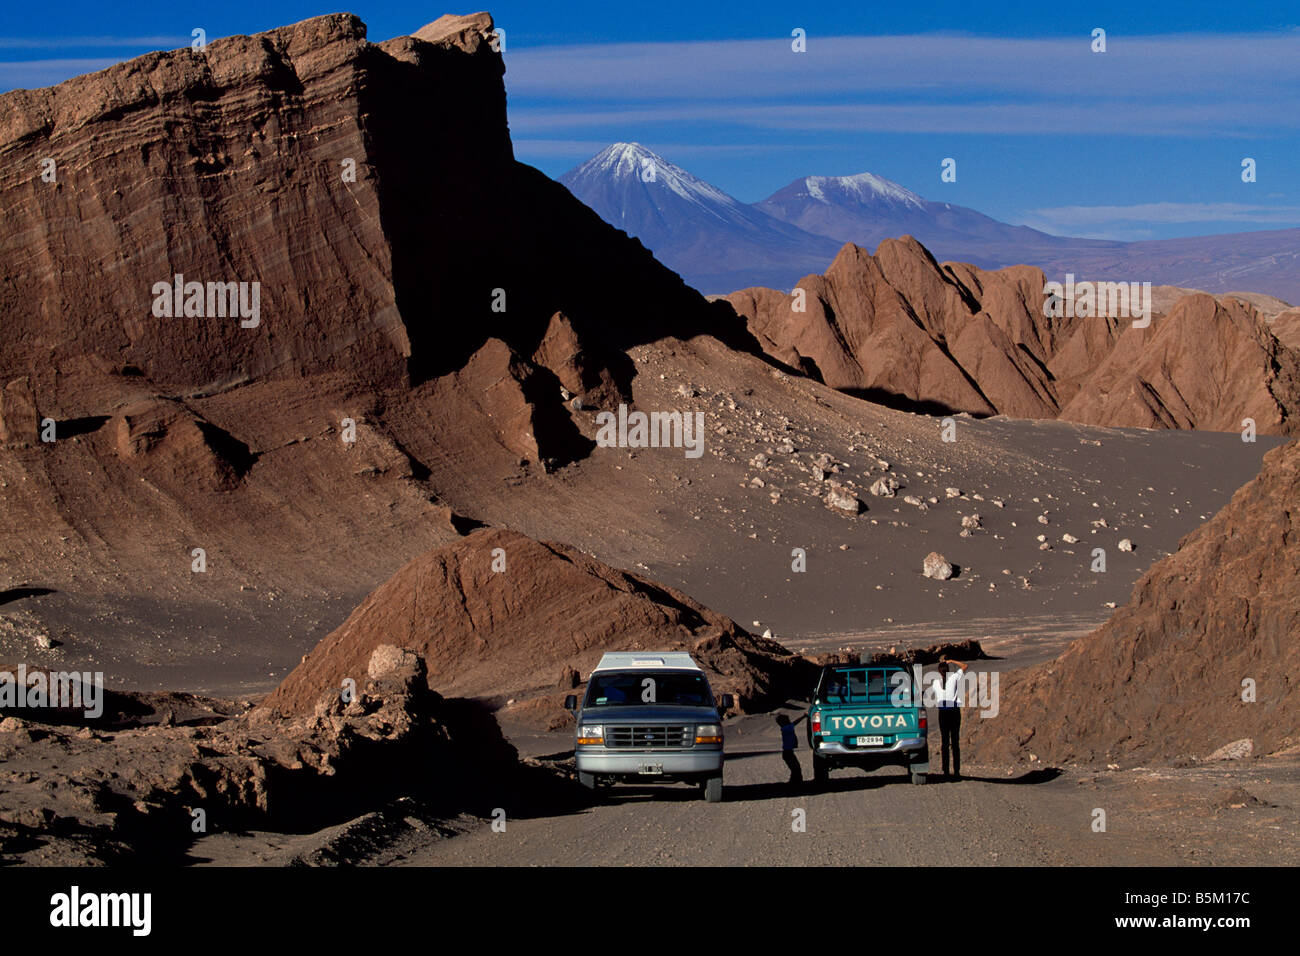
<point>788,744</point>
<point>947,695</point>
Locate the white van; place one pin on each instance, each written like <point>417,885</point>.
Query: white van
<point>649,717</point>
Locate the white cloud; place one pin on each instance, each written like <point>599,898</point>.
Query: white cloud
<point>1164,85</point>
<point>1160,213</point>
<point>77,43</point>
<point>584,148</point>
<point>1011,118</point>
<point>33,74</point>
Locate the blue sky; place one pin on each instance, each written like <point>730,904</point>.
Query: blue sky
<point>1143,141</point>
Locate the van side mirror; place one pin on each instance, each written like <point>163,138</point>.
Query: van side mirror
<point>571,702</point>
<point>727,702</point>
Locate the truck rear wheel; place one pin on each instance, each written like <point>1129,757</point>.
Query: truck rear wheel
<point>821,771</point>
<point>713,789</point>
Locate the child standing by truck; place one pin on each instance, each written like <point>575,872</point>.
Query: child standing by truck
<point>788,744</point>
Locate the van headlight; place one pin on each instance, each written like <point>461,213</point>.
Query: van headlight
<point>591,734</point>
<point>708,734</point>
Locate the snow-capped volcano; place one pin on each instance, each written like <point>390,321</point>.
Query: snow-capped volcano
<point>719,244</point>
<point>862,188</point>
<point>868,208</point>
<point>632,162</point>
<point>715,242</point>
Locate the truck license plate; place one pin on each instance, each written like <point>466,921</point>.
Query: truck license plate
<point>871,741</point>
<point>652,768</point>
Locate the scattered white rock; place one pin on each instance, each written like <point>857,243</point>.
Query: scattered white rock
<point>1237,750</point>
<point>388,659</point>
<point>840,498</point>
<point>884,487</point>
<point>952,492</point>
<point>936,566</point>
<point>1069,539</point>
<point>1125,545</point>
<point>1042,519</point>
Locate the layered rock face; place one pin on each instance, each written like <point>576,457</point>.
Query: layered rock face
<point>900,328</point>
<point>222,165</point>
<point>498,614</point>
<point>369,190</point>
<point>1205,652</point>
<point>371,291</point>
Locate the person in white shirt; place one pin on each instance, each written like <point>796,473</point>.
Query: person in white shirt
<point>947,694</point>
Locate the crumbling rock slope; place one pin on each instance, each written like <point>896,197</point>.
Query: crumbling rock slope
<point>498,615</point>
<point>1170,674</point>
<point>900,328</point>
<point>90,796</point>
<point>1286,327</point>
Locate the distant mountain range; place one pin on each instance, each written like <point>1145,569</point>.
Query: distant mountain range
<point>716,243</point>
<point>719,244</point>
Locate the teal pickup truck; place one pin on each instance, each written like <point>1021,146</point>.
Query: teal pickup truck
<point>867,715</point>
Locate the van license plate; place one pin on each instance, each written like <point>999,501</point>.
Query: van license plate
<point>871,741</point>
<point>652,768</point>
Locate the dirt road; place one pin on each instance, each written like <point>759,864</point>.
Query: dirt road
<point>993,817</point>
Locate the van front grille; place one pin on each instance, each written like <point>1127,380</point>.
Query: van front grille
<point>648,736</point>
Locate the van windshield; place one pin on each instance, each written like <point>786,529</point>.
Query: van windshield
<point>639,688</point>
